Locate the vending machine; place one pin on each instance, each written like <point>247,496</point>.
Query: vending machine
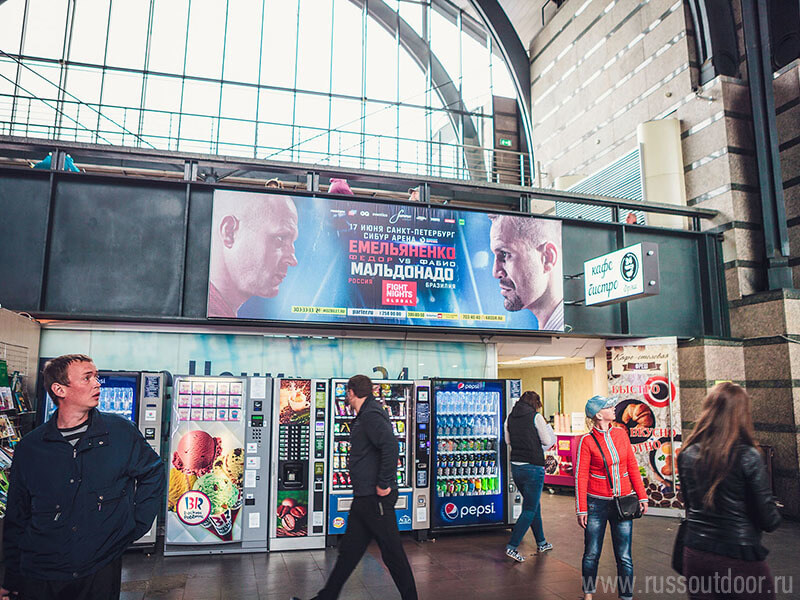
<point>468,486</point>
<point>397,398</point>
<point>514,496</point>
<point>299,464</point>
<point>219,465</point>
<point>137,396</point>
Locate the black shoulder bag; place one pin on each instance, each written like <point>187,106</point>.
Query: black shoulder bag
<point>628,507</point>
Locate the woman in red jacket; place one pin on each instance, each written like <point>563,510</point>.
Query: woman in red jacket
<point>594,494</point>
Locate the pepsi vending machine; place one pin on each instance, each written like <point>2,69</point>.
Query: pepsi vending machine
<point>398,399</point>
<point>468,475</point>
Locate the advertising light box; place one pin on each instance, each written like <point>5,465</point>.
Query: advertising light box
<point>321,260</point>
<point>622,275</point>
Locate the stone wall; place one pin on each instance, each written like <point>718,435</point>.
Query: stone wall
<point>597,71</point>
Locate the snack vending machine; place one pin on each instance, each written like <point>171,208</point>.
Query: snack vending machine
<point>219,466</point>
<point>397,398</point>
<point>137,396</point>
<point>299,465</point>
<point>514,498</point>
<point>468,483</point>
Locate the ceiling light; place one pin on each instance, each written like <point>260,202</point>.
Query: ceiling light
<point>540,358</point>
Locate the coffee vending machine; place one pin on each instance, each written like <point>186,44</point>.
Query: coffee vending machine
<point>299,464</point>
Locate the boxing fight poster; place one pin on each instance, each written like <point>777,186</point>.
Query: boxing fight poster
<point>206,461</point>
<point>643,373</point>
<point>314,259</point>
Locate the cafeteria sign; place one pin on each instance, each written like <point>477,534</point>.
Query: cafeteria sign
<point>622,275</point>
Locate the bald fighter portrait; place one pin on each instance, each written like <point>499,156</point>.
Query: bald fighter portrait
<point>252,248</point>
<point>528,265</point>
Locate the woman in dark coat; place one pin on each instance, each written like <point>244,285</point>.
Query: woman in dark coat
<point>728,501</point>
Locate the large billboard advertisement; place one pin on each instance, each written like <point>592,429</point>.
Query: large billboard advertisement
<point>313,259</point>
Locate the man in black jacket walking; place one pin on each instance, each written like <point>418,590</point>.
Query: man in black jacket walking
<point>373,468</point>
<point>83,486</point>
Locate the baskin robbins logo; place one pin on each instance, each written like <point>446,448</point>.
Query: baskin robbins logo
<point>193,507</point>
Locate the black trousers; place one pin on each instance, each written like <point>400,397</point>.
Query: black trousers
<point>103,585</point>
<point>371,517</point>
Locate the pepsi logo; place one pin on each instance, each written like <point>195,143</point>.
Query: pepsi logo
<point>461,386</point>
<point>450,511</point>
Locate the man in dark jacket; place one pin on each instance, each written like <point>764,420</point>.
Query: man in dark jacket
<point>373,471</point>
<point>83,486</point>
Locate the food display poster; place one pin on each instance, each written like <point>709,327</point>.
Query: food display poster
<point>314,259</point>
<point>644,375</point>
<point>206,469</point>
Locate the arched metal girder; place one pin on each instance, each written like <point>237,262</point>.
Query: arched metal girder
<point>441,81</point>
<point>516,57</point>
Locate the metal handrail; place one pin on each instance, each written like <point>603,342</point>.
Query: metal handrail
<point>387,152</point>
<point>157,164</point>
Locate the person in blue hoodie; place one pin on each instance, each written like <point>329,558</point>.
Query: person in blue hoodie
<point>83,486</point>
<point>528,435</point>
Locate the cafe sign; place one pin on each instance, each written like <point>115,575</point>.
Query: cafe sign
<point>622,275</point>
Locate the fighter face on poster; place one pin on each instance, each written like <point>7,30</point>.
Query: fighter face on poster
<point>344,261</point>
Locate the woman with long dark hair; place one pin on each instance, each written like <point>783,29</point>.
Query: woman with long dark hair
<point>728,500</point>
<point>528,435</point>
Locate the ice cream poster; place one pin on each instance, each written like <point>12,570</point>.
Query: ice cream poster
<point>205,482</point>
<point>643,375</point>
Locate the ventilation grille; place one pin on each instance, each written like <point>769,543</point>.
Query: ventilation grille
<point>620,179</point>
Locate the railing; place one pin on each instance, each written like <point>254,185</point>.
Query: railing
<point>76,121</point>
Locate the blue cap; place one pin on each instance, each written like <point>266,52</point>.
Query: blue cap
<point>597,403</point>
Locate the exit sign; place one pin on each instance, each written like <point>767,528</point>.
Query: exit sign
<point>505,142</point>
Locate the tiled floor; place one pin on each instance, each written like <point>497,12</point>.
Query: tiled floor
<point>461,567</point>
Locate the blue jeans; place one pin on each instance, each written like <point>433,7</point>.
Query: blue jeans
<point>530,481</point>
<point>600,513</point>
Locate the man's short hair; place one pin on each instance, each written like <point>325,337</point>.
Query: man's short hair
<point>360,385</point>
<point>532,228</point>
<point>55,371</point>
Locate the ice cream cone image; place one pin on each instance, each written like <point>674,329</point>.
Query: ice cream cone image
<point>179,484</point>
<point>232,465</point>
<point>196,453</point>
<point>221,523</point>
<point>224,496</point>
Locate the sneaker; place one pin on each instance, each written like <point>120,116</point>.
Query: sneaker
<point>512,552</point>
<point>545,547</point>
